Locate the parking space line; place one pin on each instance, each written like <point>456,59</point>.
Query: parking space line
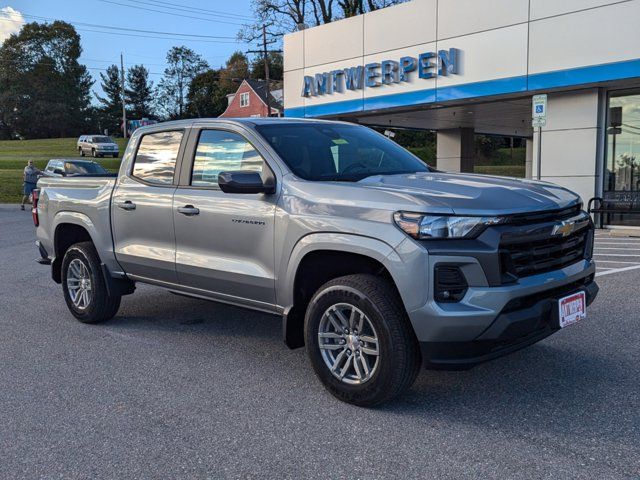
<point>614,255</point>
<point>616,270</point>
<point>616,248</point>
<point>618,261</point>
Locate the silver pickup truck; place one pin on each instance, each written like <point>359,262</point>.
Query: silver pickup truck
<point>376,262</point>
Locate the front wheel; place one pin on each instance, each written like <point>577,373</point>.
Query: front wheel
<point>81,152</point>
<point>84,286</point>
<point>359,340</point>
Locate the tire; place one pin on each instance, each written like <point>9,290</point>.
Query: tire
<point>93,153</point>
<point>97,305</point>
<point>115,155</point>
<point>397,363</point>
<point>81,152</point>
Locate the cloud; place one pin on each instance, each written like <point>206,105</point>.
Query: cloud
<point>11,21</point>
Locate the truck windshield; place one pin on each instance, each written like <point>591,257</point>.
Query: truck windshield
<point>102,140</point>
<point>338,152</point>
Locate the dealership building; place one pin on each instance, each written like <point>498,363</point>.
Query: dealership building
<point>466,67</point>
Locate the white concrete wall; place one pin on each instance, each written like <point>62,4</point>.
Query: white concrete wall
<point>569,142</point>
<point>499,40</point>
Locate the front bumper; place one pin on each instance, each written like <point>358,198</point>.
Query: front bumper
<point>509,302</point>
<point>522,322</point>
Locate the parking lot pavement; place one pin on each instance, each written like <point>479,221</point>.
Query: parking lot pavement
<point>614,254</point>
<point>181,388</point>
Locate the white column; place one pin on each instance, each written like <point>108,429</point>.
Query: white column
<point>570,142</point>
<point>528,161</point>
<point>455,150</point>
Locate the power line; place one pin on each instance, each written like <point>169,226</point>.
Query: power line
<point>228,42</point>
<point>181,37</point>
<point>128,64</point>
<point>112,27</point>
<point>217,12</point>
<point>173,14</point>
<point>52,64</point>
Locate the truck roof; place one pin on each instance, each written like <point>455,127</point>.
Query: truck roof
<point>249,121</point>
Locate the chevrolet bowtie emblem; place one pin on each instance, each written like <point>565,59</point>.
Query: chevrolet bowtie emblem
<point>564,229</point>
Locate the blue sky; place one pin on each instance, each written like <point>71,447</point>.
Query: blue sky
<point>220,18</point>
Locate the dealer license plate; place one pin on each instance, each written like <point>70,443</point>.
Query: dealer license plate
<point>572,309</point>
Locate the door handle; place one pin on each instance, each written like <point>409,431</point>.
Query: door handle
<point>189,210</point>
<point>126,205</point>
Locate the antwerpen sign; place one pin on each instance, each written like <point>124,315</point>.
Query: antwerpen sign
<point>428,65</point>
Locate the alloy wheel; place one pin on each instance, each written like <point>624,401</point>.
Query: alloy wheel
<point>79,284</point>
<point>348,343</point>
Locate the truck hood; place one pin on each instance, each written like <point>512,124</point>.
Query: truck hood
<point>468,194</point>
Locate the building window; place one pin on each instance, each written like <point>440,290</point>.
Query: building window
<point>244,99</point>
<point>622,166</point>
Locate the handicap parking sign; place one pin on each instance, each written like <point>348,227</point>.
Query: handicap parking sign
<point>539,111</point>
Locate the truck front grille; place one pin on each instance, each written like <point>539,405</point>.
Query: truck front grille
<point>522,258</point>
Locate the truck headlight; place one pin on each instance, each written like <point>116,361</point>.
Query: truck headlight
<point>425,226</point>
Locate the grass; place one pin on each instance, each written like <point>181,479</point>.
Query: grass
<point>501,170</point>
<point>14,155</point>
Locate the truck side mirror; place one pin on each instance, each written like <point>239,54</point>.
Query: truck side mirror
<point>244,181</point>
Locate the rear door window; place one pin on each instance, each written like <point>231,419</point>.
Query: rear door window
<point>155,160</point>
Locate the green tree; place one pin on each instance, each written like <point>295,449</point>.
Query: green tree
<point>205,97</point>
<point>235,71</point>
<point>183,66</point>
<point>44,91</point>
<point>275,66</point>
<point>139,92</point>
<point>111,102</point>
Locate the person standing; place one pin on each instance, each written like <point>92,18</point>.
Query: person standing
<point>30,179</point>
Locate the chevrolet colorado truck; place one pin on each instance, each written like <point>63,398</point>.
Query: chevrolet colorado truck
<point>376,263</point>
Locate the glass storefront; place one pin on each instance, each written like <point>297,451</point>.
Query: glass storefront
<point>622,167</point>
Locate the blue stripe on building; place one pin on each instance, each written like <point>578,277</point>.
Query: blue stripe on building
<point>539,81</point>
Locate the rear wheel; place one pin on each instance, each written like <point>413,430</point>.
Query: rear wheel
<point>115,155</point>
<point>84,286</point>
<point>360,341</point>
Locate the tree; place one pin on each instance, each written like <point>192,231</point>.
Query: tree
<point>111,103</point>
<point>44,91</point>
<point>236,70</point>
<point>139,92</point>
<point>205,97</point>
<point>183,66</point>
<point>275,66</point>
<point>285,16</point>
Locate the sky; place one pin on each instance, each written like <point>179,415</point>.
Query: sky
<point>103,44</point>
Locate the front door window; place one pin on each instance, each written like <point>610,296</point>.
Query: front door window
<point>622,170</point>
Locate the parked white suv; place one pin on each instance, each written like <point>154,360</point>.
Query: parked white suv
<point>97,146</point>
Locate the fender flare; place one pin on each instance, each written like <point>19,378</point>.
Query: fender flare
<point>338,242</point>
<point>119,286</point>
<point>74,218</point>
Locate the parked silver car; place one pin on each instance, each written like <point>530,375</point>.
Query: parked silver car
<point>61,167</point>
<point>97,146</point>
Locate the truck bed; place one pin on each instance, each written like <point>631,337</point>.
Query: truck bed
<point>76,200</point>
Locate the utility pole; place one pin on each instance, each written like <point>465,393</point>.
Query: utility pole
<point>124,107</point>
<point>266,67</point>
